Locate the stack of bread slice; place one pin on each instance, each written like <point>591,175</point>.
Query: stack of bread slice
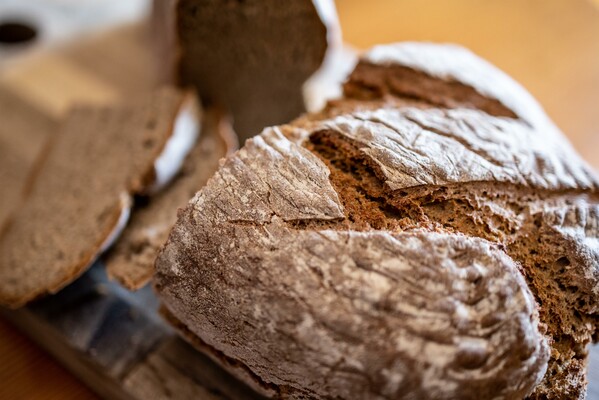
<point>79,196</point>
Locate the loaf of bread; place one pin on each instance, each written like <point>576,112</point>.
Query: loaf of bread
<point>245,56</point>
<point>80,197</point>
<point>131,261</point>
<point>432,235</point>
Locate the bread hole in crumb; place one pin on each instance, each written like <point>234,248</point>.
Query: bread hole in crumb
<point>139,246</point>
<point>563,262</point>
<point>151,124</point>
<point>538,223</point>
<point>148,143</point>
<point>567,288</point>
<point>572,289</point>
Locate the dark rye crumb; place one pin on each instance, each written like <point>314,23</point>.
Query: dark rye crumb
<point>371,82</point>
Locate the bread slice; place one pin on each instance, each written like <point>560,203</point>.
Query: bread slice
<point>246,56</point>
<point>80,199</point>
<point>431,235</point>
<point>23,133</point>
<point>131,261</point>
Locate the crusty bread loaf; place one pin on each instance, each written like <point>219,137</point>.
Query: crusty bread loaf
<point>131,261</point>
<point>245,56</point>
<point>430,236</point>
<point>80,197</point>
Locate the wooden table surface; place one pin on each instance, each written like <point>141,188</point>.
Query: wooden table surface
<point>551,46</point>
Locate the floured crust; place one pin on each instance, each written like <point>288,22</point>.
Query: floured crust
<point>131,261</point>
<point>481,149</point>
<point>79,199</point>
<point>334,257</point>
<point>232,366</point>
<point>351,307</point>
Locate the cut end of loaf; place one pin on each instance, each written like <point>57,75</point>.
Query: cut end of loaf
<point>257,70</point>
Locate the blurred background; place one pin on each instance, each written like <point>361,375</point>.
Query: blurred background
<point>550,46</point>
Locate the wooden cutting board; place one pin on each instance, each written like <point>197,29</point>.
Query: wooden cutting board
<point>114,340</point>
